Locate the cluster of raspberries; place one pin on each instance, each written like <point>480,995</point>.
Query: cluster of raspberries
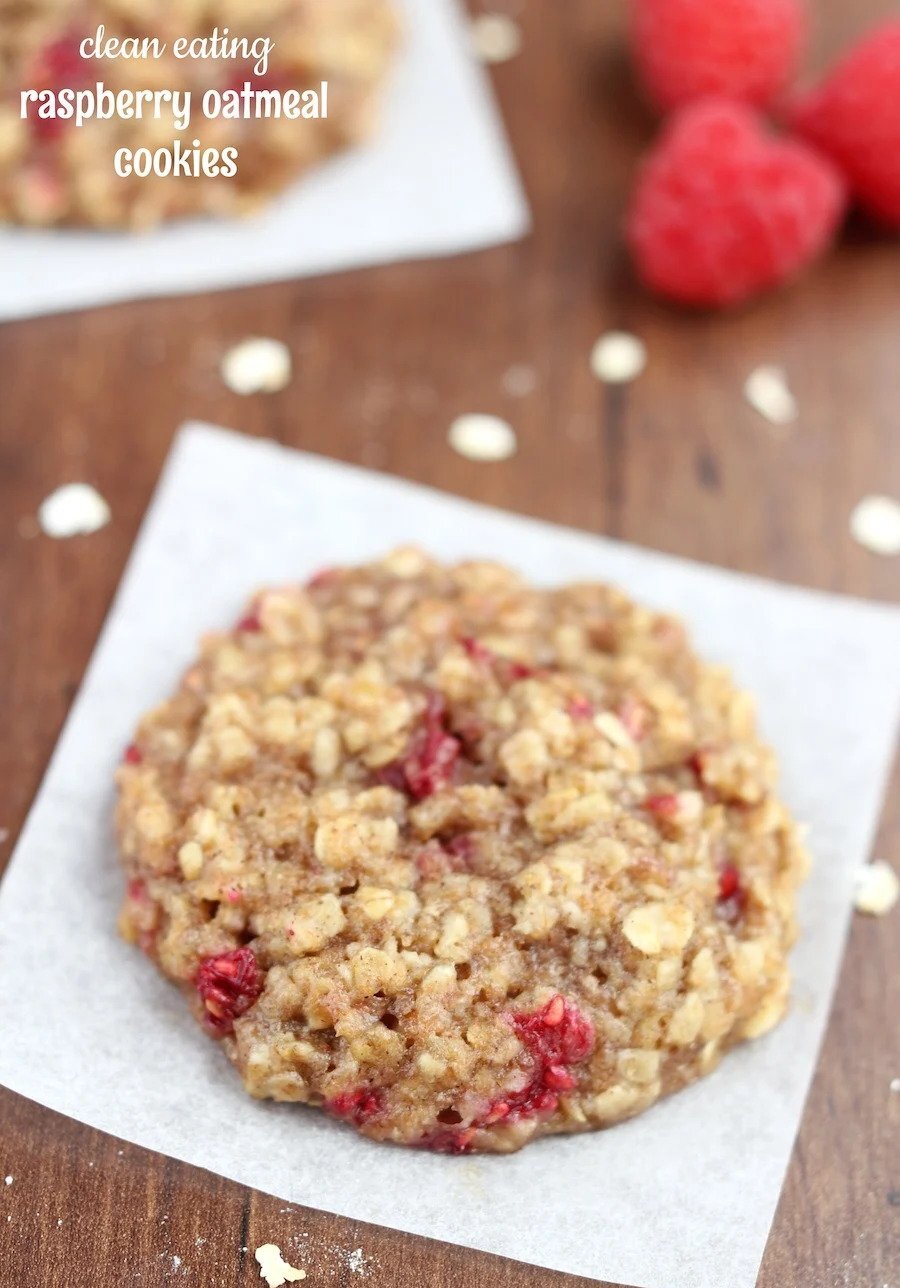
<point>724,208</point>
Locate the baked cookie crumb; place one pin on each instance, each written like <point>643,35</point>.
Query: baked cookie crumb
<point>461,861</point>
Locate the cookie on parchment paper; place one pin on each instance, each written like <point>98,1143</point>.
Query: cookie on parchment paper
<point>461,861</point>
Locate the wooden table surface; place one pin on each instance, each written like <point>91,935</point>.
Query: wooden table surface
<point>384,359</point>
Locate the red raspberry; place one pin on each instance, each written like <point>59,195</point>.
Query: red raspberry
<point>854,117</point>
<point>732,900</point>
<point>580,708</point>
<point>427,765</point>
<point>722,210</point>
<point>664,805</point>
<point>358,1106</point>
<point>56,65</point>
<point>507,670</point>
<point>250,624</point>
<point>742,49</point>
<point>556,1036</point>
<point>229,985</point>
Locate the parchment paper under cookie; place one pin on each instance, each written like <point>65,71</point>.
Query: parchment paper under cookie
<point>89,1029</point>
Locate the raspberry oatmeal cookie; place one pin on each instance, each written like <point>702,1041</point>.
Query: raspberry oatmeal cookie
<point>52,172</point>
<point>461,861</point>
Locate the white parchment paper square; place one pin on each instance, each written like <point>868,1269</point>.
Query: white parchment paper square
<point>90,1030</point>
<point>438,178</point>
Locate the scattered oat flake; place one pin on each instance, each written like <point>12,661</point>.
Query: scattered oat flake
<point>257,366</point>
<point>618,357</point>
<point>766,390</point>
<point>73,510</point>
<point>877,888</point>
<point>496,38</point>
<point>273,1267</point>
<point>482,438</point>
<point>519,380</point>
<point>875,524</point>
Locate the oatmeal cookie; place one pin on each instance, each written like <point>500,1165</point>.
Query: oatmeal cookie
<point>52,172</point>
<point>461,861</point>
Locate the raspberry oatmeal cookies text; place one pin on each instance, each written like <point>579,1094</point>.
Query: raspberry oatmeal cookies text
<point>461,861</point>
<point>54,173</point>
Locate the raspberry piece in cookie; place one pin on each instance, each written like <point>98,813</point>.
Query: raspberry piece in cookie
<point>428,764</point>
<point>228,985</point>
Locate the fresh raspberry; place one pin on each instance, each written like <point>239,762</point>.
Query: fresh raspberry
<point>229,985</point>
<point>853,115</point>
<point>722,210</point>
<point>746,50</point>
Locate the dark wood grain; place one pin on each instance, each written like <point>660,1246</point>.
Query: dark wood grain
<point>384,359</point>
